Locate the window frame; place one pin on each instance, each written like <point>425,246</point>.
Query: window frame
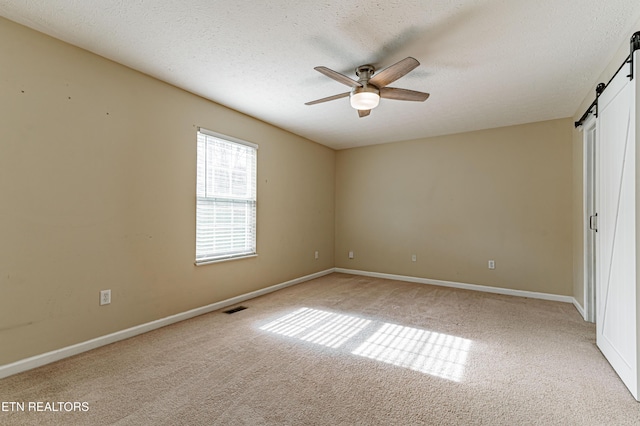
<point>223,257</point>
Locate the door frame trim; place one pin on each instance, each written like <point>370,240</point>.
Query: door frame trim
<point>589,303</point>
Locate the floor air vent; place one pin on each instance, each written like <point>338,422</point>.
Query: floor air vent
<point>234,310</point>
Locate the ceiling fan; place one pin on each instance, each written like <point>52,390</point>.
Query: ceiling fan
<point>365,93</point>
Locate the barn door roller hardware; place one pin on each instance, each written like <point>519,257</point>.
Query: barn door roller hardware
<point>634,44</point>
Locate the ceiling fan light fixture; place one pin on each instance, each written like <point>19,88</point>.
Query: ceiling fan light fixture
<point>364,100</point>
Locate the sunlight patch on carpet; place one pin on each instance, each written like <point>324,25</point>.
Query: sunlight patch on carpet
<point>316,326</point>
<point>429,352</point>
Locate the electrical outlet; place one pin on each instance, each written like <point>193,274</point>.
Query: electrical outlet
<point>351,255</point>
<point>492,264</point>
<point>414,258</point>
<point>105,297</point>
<point>317,254</point>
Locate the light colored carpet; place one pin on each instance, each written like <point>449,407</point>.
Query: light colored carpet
<point>344,350</point>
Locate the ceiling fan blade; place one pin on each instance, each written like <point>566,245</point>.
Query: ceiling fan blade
<point>363,112</point>
<point>394,72</point>
<point>340,78</point>
<point>403,94</point>
<point>328,98</point>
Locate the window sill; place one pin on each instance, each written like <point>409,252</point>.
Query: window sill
<point>224,259</point>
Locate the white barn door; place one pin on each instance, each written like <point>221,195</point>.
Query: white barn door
<point>617,293</point>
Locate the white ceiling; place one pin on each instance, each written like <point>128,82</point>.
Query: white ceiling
<point>486,63</point>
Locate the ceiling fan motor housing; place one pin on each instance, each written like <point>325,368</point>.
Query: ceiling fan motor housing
<point>367,96</point>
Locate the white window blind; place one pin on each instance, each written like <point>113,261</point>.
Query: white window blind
<point>226,198</point>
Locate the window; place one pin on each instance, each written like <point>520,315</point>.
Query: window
<point>226,198</point>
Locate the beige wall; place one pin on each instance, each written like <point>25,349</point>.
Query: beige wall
<point>97,191</point>
<point>578,168</point>
<point>457,201</point>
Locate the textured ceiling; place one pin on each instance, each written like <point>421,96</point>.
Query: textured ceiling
<point>486,63</point>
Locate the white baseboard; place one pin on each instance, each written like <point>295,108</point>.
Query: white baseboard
<point>580,309</point>
<point>56,355</point>
<point>49,357</point>
<point>474,287</point>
